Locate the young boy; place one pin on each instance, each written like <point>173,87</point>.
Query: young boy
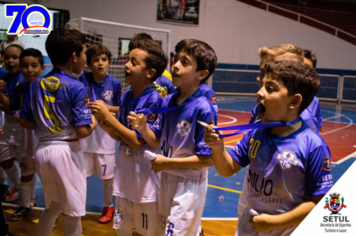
<point>31,66</point>
<point>10,141</point>
<point>56,108</point>
<point>136,186</point>
<point>99,147</point>
<point>285,180</point>
<point>185,157</point>
<point>314,107</point>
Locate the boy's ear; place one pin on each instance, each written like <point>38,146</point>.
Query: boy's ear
<point>74,57</point>
<point>296,101</point>
<point>202,74</point>
<point>42,68</point>
<point>151,73</point>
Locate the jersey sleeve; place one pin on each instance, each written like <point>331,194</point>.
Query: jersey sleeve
<point>81,113</point>
<point>318,172</point>
<point>208,117</point>
<point>26,110</point>
<point>240,152</point>
<point>319,116</point>
<point>117,93</point>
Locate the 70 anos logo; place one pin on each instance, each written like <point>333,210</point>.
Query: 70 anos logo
<point>21,12</point>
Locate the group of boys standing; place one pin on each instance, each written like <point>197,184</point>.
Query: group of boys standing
<point>160,181</point>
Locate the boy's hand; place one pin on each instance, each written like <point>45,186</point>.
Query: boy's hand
<point>263,222</point>
<point>159,164</point>
<point>211,138</point>
<point>1,131</point>
<point>2,85</point>
<point>103,124</point>
<point>137,121</point>
<point>99,109</point>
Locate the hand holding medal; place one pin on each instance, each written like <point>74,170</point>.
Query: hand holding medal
<point>137,121</point>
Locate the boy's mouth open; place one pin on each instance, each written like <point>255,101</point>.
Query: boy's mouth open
<point>261,110</point>
<point>175,74</point>
<point>127,74</point>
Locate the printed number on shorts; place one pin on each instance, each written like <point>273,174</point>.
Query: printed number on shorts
<point>169,229</point>
<point>144,221</point>
<point>104,169</point>
<point>48,115</point>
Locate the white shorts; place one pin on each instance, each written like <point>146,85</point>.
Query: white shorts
<point>27,165</point>
<point>9,151</point>
<point>142,216</point>
<point>181,204</point>
<point>103,164</point>
<point>61,168</point>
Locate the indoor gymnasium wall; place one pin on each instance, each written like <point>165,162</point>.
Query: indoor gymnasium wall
<point>235,30</point>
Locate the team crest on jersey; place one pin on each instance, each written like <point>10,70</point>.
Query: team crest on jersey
<point>287,159</point>
<point>184,128</point>
<point>213,99</point>
<point>152,117</point>
<point>162,221</point>
<point>86,100</point>
<point>129,151</point>
<point>108,95</point>
<point>118,217</point>
<point>325,165</point>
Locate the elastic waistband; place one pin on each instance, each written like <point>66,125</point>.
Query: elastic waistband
<point>57,143</point>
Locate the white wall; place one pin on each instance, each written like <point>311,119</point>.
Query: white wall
<point>235,30</point>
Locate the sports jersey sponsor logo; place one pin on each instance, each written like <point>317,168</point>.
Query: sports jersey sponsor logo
<point>213,99</point>
<point>50,84</point>
<point>108,95</point>
<point>162,221</point>
<point>118,217</point>
<point>325,165</point>
<point>335,204</point>
<point>184,128</point>
<point>286,160</point>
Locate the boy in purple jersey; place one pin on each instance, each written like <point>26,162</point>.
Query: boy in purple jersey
<point>135,186</point>
<point>285,178</point>
<point>10,141</point>
<point>185,157</point>
<point>31,65</point>
<point>210,95</point>
<point>314,107</point>
<point>56,109</point>
<point>99,147</point>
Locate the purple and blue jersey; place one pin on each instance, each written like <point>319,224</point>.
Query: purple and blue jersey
<point>314,107</point>
<point>165,82</point>
<point>182,136</point>
<point>283,171</point>
<point>57,104</point>
<point>3,72</point>
<point>109,90</point>
<point>210,95</point>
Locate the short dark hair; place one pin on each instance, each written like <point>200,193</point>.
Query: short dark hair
<point>62,42</point>
<point>97,50</point>
<point>156,59</point>
<point>311,56</point>
<point>140,36</point>
<point>297,78</point>
<point>202,52</point>
<point>33,53</point>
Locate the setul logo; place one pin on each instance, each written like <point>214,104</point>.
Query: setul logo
<point>21,12</point>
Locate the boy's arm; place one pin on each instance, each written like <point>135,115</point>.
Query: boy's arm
<point>84,131</point>
<point>113,109</point>
<point>139,122</point>
<point>107,128</point>
<point>192,162</point>
<point>101,112</point>
<point>223,161</point>
<point>5,101</point>
<point>26,123</point>
<point>266,222</point>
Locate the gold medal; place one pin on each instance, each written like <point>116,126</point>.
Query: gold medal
<point>161,90</point>
<point>129,151</point>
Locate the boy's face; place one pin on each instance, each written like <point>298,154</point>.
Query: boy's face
<point>12,60</point>
<point>80,61</point>
<point>31,68</point>
<point>99,65</point>
<point>184,70</point>
<point>273,100</point>
<point>135,69</point>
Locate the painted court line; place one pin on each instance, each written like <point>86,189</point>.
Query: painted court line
<point>334,130</point>
<point>345,158</point>
<point>226,189</point>
<point>229,122</point>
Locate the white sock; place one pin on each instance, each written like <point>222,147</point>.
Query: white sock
<point>72,225</point>
<point>199,230</point>
<point>107,187</point>
<point>14,175</point>
<point>3,177</point>
<point>47,220</point>
<point>25,193</point>
<point>124,232</point>
<point>33,187</point>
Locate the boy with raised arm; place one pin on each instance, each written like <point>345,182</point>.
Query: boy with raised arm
<point>135,186</point>
<point>56,109</point>
<point>185,157</point>
<point>285,180</point>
